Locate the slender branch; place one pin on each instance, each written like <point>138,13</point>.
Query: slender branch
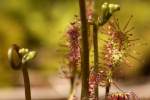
<point>26,84</point>
<point>72,80</point>
<point>95,44</point>
<point>18,57</point>
<point>108,84</point>
<point>107,90</point>
<point>84,52</point>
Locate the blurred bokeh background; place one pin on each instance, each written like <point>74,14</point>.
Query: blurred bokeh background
<point>41,24</point>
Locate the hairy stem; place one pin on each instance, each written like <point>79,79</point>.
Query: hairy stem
<point>84,52</point>
<point>26,84</point>
<point>95,44</point>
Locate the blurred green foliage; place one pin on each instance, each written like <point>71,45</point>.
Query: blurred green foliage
<point>36,24</point>
<point>40,25</point>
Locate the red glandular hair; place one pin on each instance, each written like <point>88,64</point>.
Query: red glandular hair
<point>95,80</point>
<point>72,44</point>
<point>113,53</point>
<point>73,35</point>
<point>116,47</point>
<point>123,96</point>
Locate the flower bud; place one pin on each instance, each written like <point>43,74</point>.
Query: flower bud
<point>18,56</point>
<point>14,57</point>
<point>28,56</point>
<point>107,11</point>
<point>113,8</point>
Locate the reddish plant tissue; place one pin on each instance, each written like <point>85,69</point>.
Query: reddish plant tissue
<point>123,96</point>
<point>92,85</point>
<point>73,44</point>
<point>117,46</point>
<point>114,52</point>
<point>95,80</point>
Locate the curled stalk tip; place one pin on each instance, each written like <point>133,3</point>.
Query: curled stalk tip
<point>18,56</point>
<point>107,12</point>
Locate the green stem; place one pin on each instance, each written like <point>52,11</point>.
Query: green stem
<point>84,52</point>
<point>26,84</point>
<point>95,44</point>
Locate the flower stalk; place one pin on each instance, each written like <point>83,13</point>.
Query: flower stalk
<point>26,83</point>
<point>84,51</point>
<point>18,57</point>
<point>107,11</point>
<point>95,44</point>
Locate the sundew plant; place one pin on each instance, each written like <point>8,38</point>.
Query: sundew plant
<point>83,41</point>
<point>90,60</point>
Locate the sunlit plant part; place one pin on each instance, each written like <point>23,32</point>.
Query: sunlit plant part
<point>115,49</point>
<point>117,46</point>
<point>27,55</point>
<point>95,20</point>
